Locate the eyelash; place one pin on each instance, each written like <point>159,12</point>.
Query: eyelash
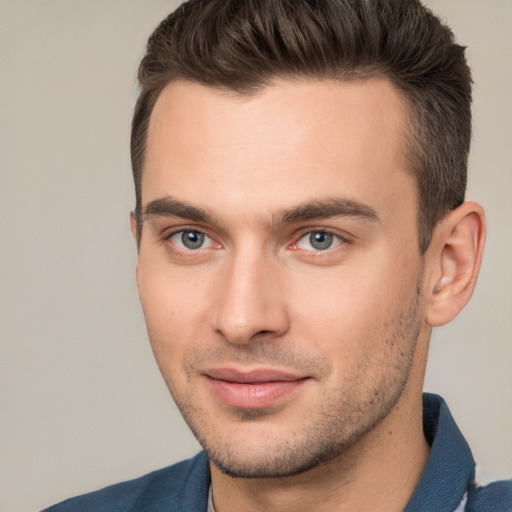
<point>183,231</point>
<point>336,240</point>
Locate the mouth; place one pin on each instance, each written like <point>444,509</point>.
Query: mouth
<point>255,389</point>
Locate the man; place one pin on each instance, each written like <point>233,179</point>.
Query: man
<point>300,169</point>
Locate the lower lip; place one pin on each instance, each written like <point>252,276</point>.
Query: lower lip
<point>252,396</point>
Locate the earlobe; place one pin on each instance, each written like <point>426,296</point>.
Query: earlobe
<point>456,252</point>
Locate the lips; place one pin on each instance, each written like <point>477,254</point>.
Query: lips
<point>255,389</point>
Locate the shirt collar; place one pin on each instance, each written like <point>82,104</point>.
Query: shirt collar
<point>450,467</point>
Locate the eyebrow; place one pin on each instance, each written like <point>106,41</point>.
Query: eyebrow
<point>324,209</point>
<point>169,207</point>
<point>315,210</point>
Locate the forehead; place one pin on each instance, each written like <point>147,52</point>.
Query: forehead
<point>290,142</point>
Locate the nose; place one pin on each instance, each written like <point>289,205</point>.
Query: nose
<point>251,301</point>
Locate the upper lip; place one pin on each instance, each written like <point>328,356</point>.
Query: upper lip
<point>251,376</point>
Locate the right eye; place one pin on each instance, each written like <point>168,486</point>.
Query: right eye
<point>191,240</point>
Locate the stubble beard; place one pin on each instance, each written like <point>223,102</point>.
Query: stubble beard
<point>344,420</point>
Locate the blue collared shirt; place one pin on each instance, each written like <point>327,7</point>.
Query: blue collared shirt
<point>447,484</point>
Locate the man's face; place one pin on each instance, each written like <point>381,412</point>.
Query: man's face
<point>279,270</point>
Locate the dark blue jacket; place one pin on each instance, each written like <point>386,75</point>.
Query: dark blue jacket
<point>447,483</point>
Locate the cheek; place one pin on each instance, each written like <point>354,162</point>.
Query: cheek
<point>174,310</point>
<point>348,313</point>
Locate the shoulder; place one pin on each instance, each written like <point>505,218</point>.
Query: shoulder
<point>182,486</point>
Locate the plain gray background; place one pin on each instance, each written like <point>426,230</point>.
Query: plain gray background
<point>82,402</point>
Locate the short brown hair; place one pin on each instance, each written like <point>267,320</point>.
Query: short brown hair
<point>243,45</point>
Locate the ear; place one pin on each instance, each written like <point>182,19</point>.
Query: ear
<point>134,228</point>
<point>455,255</point>
<point>133,225</point>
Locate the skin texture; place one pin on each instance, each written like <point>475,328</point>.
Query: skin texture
<point>248,180</point>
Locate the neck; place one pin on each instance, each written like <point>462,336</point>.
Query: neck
<point>380,473</point>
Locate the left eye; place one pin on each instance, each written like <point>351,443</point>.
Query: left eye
<point>191,240</point>
<point>318,241</point>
